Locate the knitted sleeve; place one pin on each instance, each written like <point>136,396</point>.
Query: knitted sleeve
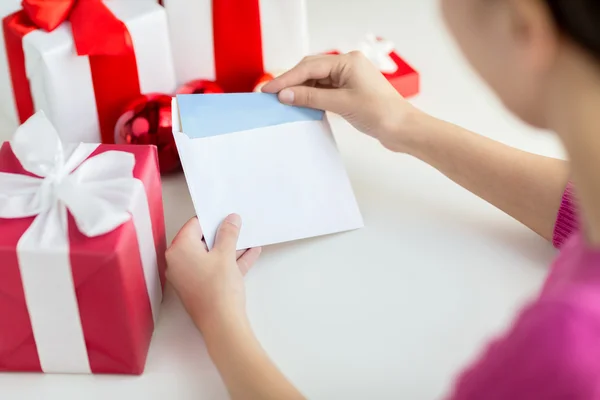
<point>566,222</point>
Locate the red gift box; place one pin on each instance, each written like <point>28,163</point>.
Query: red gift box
<point>82,244</point>
<point>401,75</point>
<point>406,79</point>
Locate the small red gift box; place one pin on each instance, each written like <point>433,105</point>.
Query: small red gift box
<point>406,79</point>
<point>396,70</point>
<point>82,243</point>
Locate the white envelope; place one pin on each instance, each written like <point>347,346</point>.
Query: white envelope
<point>275,165</point>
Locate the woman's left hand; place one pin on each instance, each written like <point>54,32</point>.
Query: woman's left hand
<point>210,283</point>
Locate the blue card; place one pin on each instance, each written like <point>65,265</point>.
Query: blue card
<point>275,165</point>
<point>205,115</point>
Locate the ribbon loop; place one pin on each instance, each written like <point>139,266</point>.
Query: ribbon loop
<point>98,193</point>
<point>48,15</point>
<point>378,52</point>
<point>104,185</point>
<point>96,30</point>
<point>23,200</point>
<point>37,146</point>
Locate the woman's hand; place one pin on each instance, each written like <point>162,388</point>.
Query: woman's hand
<point>210,283</point>
<point>526,186</point>
<point>349,85</point>
<point>211,287</point>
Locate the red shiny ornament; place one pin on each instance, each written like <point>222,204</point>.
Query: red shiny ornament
<point>147,120</point>
<point>200,86</point>
<point>262,81</point>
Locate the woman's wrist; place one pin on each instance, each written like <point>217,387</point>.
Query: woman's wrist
<point>217,323</point>
<point>412,132</point>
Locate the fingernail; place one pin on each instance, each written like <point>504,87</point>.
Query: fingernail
<point>234,219</point>
<point>286,96</point>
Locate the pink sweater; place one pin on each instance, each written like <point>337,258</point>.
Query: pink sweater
<point>552,351</point>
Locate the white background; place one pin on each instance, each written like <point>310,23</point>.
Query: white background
<point>390,311</point>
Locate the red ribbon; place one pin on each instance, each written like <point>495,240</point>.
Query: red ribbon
<point>97,33</point>
<point>237,44</point>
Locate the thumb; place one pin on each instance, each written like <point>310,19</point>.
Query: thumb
<point>333,100</point>
<point>191,230</point>
<point>228,233</point>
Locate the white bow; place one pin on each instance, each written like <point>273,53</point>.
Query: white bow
<point>96,191</point>
<point>101,193</point>
<point>378,52</point>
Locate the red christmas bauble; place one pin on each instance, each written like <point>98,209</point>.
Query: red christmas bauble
<point>266,78</point>
<point>262,81</point>
<point>200,86</point>
<point>147,120</point>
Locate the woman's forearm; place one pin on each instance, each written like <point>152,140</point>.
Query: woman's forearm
<point>245,367</point>
<point>526,186</point>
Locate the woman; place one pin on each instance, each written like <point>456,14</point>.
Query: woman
<point>542,57</point>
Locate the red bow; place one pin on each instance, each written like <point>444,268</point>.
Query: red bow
<point>96,30</point>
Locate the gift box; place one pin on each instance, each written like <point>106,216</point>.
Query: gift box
<point>8,123</point>
<point>396,70</point>
<point>82,61</point>
<point>235,42</point>
<point>82,244</point>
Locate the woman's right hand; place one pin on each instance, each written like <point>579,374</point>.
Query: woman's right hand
<point>349,85</point>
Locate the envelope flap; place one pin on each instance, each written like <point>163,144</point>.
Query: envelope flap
<point>176,123</point>
<point>218,114</point>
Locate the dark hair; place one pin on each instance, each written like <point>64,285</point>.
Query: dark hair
<point>579,20</point>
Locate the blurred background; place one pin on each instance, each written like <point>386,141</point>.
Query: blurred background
<point>417,30</point>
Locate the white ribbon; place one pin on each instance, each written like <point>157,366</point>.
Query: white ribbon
<point>378,52</point>
<point>101,194</point>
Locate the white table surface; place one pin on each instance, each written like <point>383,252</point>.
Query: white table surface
<point>390,311</point>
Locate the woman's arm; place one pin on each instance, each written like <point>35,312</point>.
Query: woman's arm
<point>526,186</point>
<point>245,367</point>
<point>210,285</point>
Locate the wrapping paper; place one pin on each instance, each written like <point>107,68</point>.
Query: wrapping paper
<point>83,96</point>
<point>82,242</point>
<point>236,42</point>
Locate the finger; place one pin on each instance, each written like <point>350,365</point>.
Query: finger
<point>334,100</point>
<point>191,231</point>
<point>311,83</point>
<point>312,68</point>
<point>327,82</point>
<point>228,234</point>
<point>239,253</point>
<point>248,259</point>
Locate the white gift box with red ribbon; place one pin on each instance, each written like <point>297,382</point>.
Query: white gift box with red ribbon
<point>235,42</point>
<point>68,87</point>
